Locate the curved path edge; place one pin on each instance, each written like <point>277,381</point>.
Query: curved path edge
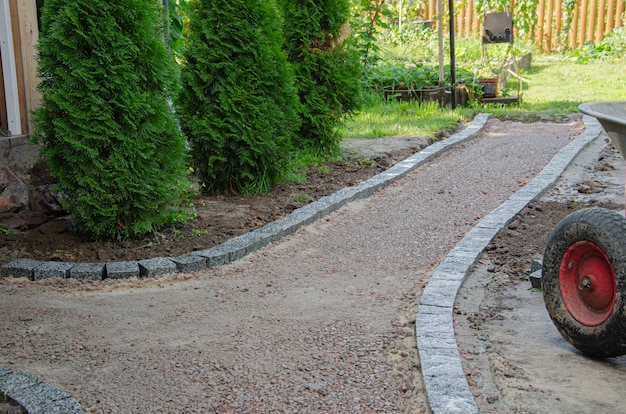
<point>36,396</point>
<point>446,387</point>
<point>242,245</point>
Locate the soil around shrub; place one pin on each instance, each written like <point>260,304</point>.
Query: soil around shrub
<point>218,217</point>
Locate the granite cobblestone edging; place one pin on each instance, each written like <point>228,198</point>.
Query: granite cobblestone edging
<point>242,245</point>
<point>446,386</point>
<point>36,396</point>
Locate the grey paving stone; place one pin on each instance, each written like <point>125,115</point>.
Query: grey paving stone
<point>47,270</point>
<point>156,267</point>
<point>445,382</point>
<point>536,265</point>
<point>278,229</point>
<point>535,279</point>
<point>215,256</point>
<point>435,330</point>
<point>190,263</point>
<point>20,268</point>
<point>122,270</point>
<point>36,396</point>
<point>15,381</point>
<point>87,271</point>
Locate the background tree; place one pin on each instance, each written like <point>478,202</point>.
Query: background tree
<point>327,73</point>
<point>107,131</point>
<point>238,103</point>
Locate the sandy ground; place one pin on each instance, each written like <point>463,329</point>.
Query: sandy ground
<point>515,359</point>
<point>318,322</point>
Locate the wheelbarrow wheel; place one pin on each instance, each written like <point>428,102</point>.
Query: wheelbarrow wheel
<point>584,267</point>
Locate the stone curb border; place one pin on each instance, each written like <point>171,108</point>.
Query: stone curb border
<point>36,396</point>
<point>446,387</point>
<point>242,245</point>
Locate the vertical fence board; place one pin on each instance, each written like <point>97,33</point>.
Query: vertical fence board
<point>540,24</point>
<point>593,15</point>
<point>29,35</point>
<point>620,13</point>
<point>600,22</point>
<point>548,25</point>
<point>582,26</point>
<point>573,33</point>
<point>591,20</point>
<point>610,17</point>
<point>19,65</point>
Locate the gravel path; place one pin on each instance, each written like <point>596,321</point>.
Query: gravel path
<point>318,322</point>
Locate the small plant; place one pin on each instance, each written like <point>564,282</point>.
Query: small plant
<point>366,162</point>
<point>5,230</point>
<point>199,232</point>
<point>302,198</point>
<point>178,234</point>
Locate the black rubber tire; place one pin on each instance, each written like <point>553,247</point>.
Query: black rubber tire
<point>607,229</point>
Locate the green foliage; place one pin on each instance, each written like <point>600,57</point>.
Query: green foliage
<point>368,18</point>
<point>106,128</point>
<point>327,72</point>
<point>612,47</point>
<point>179,11</point>
<point>238,105</point>
<point>410,76</point>
<point>385,117</point>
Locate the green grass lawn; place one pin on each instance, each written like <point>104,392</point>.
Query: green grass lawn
<point>552,86</point>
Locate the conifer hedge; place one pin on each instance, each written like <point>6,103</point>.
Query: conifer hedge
<point>238,105</point>
<point>327,72</point>
<point>107,131</point>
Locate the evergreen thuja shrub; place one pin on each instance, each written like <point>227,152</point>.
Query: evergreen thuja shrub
<point>327,72</point>
<point>107,132</point>
<point>237,104</point>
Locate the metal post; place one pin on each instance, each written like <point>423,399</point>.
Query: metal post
<point>452,59</point>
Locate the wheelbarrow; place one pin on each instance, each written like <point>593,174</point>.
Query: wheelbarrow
<point>584,263</point>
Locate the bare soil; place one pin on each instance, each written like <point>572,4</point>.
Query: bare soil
<point>218,217</point>
<point>514,358</point>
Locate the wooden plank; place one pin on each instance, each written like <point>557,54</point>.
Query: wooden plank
<point>470,19</point>
<point>19,65</point>
<point>610,17</point>
<point>591,23</point>
<point>431,11</point>
<point>9,70</point>
<point>558,16</point>
<point>540,24</point>
<point>460,22</point>
<point>29,35</point>
<point>600,22</point>
<point>548,25</point>
<point>620,13</point>
<point>582,29</point>
<point>573,37</point>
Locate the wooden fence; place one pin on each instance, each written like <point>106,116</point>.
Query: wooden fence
<point>590,21</point>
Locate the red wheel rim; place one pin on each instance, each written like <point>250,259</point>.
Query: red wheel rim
<point>588,285</point>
